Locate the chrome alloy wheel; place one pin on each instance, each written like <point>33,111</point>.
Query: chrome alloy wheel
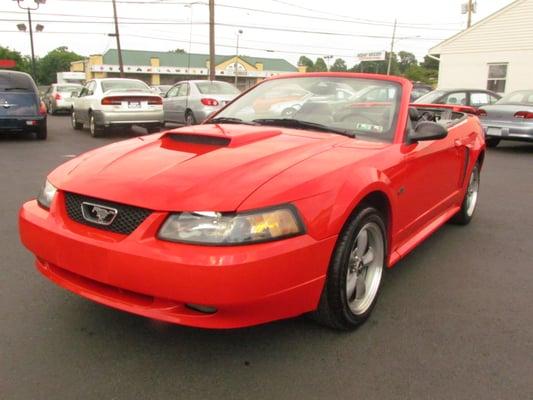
<point>73,119</point>
<point>365,268</point>
<point>472,191</point>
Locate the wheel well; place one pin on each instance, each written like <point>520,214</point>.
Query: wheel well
<point>481,158</point>
<point>379,201</point>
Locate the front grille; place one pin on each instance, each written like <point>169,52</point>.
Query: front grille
<point>128,218</point>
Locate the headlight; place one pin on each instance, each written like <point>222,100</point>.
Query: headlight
<point>46,195</point>
<point>229,228</point>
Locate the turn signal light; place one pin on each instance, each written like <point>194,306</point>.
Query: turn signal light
<point>209,102</point>
<point>524,115</point>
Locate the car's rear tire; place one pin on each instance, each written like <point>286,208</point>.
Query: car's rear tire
<point>42,133</point>
<point>74,121</point>
<point>492,142</point>
<point>154,128</point>
<point>468,207</point>
<point>95,129</point>
<point>189,118</point>
<point>355,272</point>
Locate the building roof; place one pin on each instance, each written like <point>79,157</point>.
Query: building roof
<point>172,59</point>
<point>509,28</point>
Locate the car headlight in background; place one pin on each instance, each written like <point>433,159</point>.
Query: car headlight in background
<point>48,191</point>
<point>232,228</point>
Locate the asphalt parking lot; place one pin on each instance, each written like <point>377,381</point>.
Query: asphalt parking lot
<point>454,320</point>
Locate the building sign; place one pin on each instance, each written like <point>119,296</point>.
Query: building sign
<point>372,56</point>
<point>144,69</point>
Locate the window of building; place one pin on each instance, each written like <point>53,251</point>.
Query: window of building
<point>497,77</point>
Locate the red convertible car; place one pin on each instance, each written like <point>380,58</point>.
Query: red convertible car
<point>251,216</point>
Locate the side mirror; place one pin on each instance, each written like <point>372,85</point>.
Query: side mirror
<point>427,130</point>
<point>74,94</point>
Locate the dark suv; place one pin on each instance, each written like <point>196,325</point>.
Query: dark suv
<point>21,110</point>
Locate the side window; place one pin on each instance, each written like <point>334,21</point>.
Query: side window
<point>478,99</point>
<point>493,99</point>
<point>173,91</point>
<point>497,77</point>
<point>458,98</point>
<point>84,90</point>
<point>91,86</point>
<point>184,90</point>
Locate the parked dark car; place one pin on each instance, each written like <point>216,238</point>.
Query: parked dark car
<point>511,118</point>
<point>21,110</point>
<point>419,90</point>
<point>464,97</point>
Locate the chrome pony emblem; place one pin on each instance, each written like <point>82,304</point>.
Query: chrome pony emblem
<point>98,214</point>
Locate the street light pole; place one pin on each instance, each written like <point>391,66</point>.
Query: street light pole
<point>117,35</point>
<point>211,40</point>
<point>29,10</point>
<point>391,47</point>
<point>328,58</point>
<point>235,64</point>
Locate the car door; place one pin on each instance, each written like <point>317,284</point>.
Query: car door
<point>180,102</point>
<point>169,105</point>
<point>431,180</point>
<point>81,103</point>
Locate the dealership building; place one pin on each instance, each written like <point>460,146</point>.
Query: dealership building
<point>495,54</point>
<point>166,68</point>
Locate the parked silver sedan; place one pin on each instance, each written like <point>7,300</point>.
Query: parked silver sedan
<point>58,97</point>
<point>190,102</point>
<point>116,102</point>
<point>511,118</point>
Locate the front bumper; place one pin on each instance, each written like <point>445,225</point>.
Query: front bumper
<point>521,131</point>
<point>248,285</point>
<point>140,117</point>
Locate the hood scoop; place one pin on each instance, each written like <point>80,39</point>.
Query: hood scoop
<point>220,135</point>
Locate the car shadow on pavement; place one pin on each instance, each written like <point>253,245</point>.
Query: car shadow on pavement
<point>517,148</point>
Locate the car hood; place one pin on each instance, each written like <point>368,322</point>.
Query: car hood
<point>205,167</point>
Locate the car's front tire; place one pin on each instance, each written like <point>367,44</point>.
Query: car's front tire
<point>189,118</point>
<point>355,273</point>
<point>468,207</point>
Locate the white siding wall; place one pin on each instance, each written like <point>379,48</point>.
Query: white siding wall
<point>471,70</point>
<point>506,36</point>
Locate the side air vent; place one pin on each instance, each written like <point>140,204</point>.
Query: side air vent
<point>200,139</point>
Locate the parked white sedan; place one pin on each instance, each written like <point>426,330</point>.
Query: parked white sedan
<point>116,102</point>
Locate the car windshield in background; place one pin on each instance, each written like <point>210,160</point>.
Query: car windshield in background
<point>321,103</point>
<point>521,97</point>
<point>430,97</point>
<point>68,89</point>
<point>124,85</point>
<point>210,87</point>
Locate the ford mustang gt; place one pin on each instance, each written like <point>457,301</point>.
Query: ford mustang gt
<point>254,215</point>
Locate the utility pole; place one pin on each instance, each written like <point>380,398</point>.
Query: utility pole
<point>469,22</point>
<point>29,10</point>
<point>236,64</point>
<point>211,40</point>
<point>117,35</point>
<point>391,47</point>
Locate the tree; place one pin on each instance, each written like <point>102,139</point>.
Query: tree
<point>406,60</point>
<point>306,62</point>
<point>23,62</point>
<point>430,63</point>
<point>179,51</point>
<point>339,65</point>
<point>320,65</point>
<point>55,61</point>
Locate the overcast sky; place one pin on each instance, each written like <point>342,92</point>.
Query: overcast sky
<point>347,27</point>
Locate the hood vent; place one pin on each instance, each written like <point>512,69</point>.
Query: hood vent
<point>200,139</point>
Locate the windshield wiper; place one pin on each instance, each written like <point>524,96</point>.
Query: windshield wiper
<point>297,123</point>
<point>7,89</point>
<point>230,120</point>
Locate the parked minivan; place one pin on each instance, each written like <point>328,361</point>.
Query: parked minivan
<point>21,110</point>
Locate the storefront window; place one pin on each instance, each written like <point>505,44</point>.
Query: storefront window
<point>497,77</point>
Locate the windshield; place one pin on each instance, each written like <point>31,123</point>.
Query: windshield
<point>327,102</point>
<point>430,98</point>
<point>521,97</point>
<point>68,88</point>
<point>210,87</point>
<point>127,85</point>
